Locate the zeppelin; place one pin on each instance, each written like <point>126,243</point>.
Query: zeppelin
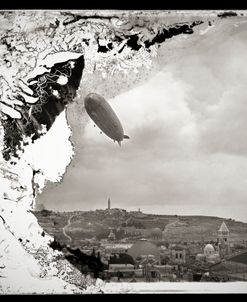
<point>104,117</point>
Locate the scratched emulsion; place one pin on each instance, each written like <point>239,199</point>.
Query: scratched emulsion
<point>52,97</point>
<point>49,62</point>
<point>40,98</point>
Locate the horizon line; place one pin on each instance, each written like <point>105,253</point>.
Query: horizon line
<point>148,213</point>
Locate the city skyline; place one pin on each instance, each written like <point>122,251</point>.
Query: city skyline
<point>186,249</point>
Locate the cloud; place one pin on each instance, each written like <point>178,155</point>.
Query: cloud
<point>187,147</point>
<point>216,80</point>
<point>224,129</point>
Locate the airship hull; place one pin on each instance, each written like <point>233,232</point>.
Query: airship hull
<point>104,116</point>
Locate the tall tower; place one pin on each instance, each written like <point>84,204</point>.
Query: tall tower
<point>224,240</point>
<point>109,203</point>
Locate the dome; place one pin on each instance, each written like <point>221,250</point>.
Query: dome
<point>209,249</point>
<point>143,248</point>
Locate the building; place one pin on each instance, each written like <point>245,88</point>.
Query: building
<point>116,248</point>
<point>232,268</point>
<point>208,250</point>
<point>177,255</point>
<point>144,248</point>
<point>224,240</point>
<point>156,234</point>
<point>121,267</point>
<point>173,254</point>
<point>133,231</point>
<point>111,236</point>
<point>138,214</point>
<point>164,234</point>
<point>121,259</point>
<point>119,271</point>
<point>109,203</point>
<point>210,255</point>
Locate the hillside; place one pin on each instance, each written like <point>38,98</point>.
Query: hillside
<point>85,225</point>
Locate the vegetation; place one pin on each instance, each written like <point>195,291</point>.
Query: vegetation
<point>177,228</point>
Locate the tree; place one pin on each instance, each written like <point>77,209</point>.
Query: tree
<point>103,234</point>
<point>122,259</point>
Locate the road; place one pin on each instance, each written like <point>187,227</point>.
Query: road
<point>67,225</point>
<point>171,225</point>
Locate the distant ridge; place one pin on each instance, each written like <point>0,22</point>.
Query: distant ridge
<point>132,212</point>
<point>84,224</point>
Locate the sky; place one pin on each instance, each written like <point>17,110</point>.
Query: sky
<point>187,152</point>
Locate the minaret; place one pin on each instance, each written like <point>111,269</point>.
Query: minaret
<point>224,239</point>
<point>109,203</point>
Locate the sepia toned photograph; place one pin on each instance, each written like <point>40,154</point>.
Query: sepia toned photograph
<point>123,151</point>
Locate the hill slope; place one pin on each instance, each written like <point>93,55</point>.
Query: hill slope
<point>84,225</point>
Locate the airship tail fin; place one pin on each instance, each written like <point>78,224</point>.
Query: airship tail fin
<point>119,143</point>
<point>126,136</point>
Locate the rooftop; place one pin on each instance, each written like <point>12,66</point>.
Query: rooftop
<point>223,228</point>
<point>240,258</point>
<point>143,248</point>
